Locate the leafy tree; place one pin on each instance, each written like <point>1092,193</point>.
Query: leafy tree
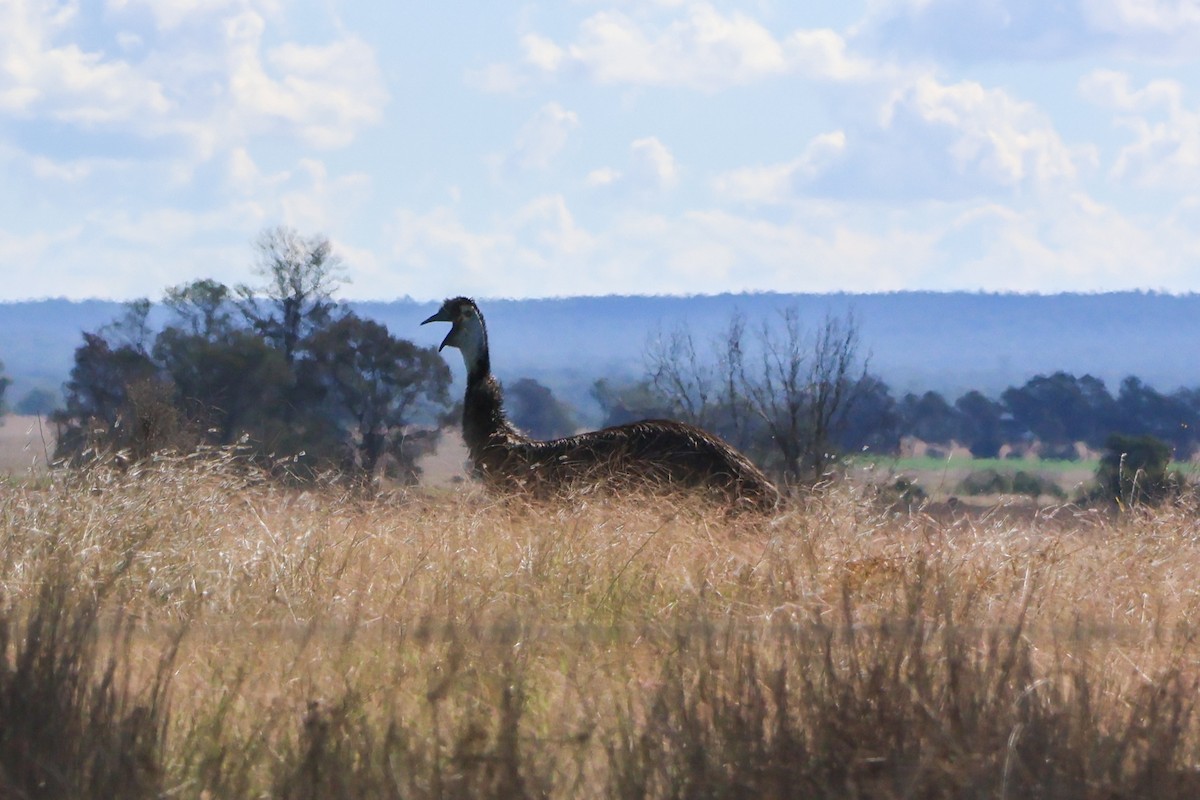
<point>229,381</point>
<point>115,399</point>
<point>620,404</point>
<point>981,424</point>
<point>229,385</point>
<point>277,366</point>
<point>294,302</point>
<point>1188,440</point>
<point>37,401</point>
<point>132,329</point>
<point>5,382</point>
<point>202,308</point>
<point>1133,470</point>
<point>873,421</point>
<point>536,410</point>
<point>930,418</point>
<point>1145,411</point>
<point>1060,409</point>
<point>377,383</point>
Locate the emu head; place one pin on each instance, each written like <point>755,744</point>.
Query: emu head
<point>467,330</point>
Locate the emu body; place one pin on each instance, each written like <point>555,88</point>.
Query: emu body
<point>651,453</point>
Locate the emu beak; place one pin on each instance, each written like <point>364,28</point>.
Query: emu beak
<point>442,316</point>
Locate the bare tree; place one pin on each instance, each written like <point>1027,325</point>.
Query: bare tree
<point>301,275</point>
<point>683,376</point>
<point>783,386</point>
<point>701,385</point>
<point>803,388</point>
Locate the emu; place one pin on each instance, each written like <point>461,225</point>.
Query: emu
<point>652,453</point>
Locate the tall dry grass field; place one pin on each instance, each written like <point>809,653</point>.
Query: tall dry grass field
<point>187,630</point>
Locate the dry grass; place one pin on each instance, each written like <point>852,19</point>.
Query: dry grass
<point>216,636</point>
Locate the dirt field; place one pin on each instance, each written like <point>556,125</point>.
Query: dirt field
<point>25,443</point>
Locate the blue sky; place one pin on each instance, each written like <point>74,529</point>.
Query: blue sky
<point>591,147</point>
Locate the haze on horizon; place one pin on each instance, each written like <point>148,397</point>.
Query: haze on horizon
<point>603,146</point>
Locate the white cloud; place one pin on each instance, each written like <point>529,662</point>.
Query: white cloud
<point>38,247</point>
<point>538,244</point>
<point>852,171</point>
<point>1049,241</point>
<point>169,15</point>
<point>552,225</point>
<point>540,250</point>
<point>822,53</point>
<point>651,169</point>
<point>98,244</point>
<point>1071,241</point>
<point>1165,152</point>
<point>74,170</point>
<point>542,52</point>
<point>1111,89</point>
<point>928,140</point>
<point>602,176</point>
<point>1004,140</point>
<point>318,201</point>
<point>494,79</point>
<point>703,50</point>
<point>1003,30</point>
<point>778,183</point>
<point>119,253</point>
<point>42,75</point>
<point>211,82</point>
<point>708,249</point>
<point>698,48</point>
<point>306,197</point>
<point>324,93</point>
<point>1173,19</point>
<point>435,251</point>
<point>543,137</point>
<point>652,165</point>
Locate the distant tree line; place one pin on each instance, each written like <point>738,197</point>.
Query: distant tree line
<point>1055,413</point>
<point>796,399</point>
<point>279,369</point>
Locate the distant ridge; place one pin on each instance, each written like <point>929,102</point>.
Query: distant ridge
<point>950,342</point>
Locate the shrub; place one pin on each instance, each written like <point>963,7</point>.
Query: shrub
<point>990,481</point>
<point>1133,470</point>
<point>902,495</point>
<point>985,481</point>
<point>1035,485</point>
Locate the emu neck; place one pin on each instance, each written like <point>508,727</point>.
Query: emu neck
<point>471,340</point>
<point>484,424</point>
<point>479,366</point>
